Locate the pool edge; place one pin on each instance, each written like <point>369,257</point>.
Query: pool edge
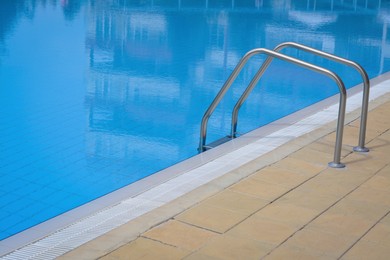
<point>205,189</point>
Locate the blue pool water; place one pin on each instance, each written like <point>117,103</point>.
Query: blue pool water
<point>97,94</point>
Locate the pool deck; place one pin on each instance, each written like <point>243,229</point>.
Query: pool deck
<point>286,204</point>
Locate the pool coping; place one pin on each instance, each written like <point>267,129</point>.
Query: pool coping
<point>237,156</point>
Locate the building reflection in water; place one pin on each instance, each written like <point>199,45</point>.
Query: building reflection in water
<point>160,62</point>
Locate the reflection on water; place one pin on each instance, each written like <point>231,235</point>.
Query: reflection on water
<point>97,94</point>
<point>177,54</point>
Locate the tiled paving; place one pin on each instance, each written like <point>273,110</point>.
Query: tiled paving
<point>296,208</point>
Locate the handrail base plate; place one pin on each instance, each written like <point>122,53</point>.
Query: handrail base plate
<point>336,165</point>
<point>361,149</point>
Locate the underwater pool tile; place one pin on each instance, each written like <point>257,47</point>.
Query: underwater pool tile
<point>26,188</point>
<point>41,194</point>
<point>18,205</point>
<point>55,197</point>
<point>4,213</point>
<point>20,226</point>
<point>31,210</point>
<point>11,220</point>
<point>8,183</point>
<point>46,212</point>
<point>8,198</point>
<point>71,201</point>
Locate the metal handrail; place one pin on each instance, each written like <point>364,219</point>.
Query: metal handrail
<point>260,72</point>
<point>342,104</point>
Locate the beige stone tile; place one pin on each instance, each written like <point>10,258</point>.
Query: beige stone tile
<point>143,248</point>
<point>355,122</point>
<point>362,164</point>
<point>212,218</point>
<point>288,214</point>
<point>374,127</point>
<point>378,182</point>
<point>364,250</point>
<point>379,234</point>
<point>327,146</point>
<point>386,220</point>
<point>264,190</point>
<point>86,253</point>
<point>350,137</point>
<point>385,172</point>
<point>381,111</point>
<point>370,211</point>
<point>280,176</point>
<point>264,230</point>
<point>200,256</point>
<point>381,143</point>
<point>345,175</point>
<point>341,224</point>
<point>313,156</point>
<point>369,195</point>
<point>371,134</point>
<point>325,188</point>
<point>379,150</point>
<point>333,183</point>
<point>328,244</point>
<point>308,199</point>
<point>385,107</point>
<point>300,166</point>
<point>229,247</point>
<point>287,251</point>
<point>385,136</point>
<point>377,123</point>
<point>236,201</point>
<point>180,235</point>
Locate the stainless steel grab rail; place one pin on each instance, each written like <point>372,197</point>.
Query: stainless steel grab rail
<point>363,73</point>
<point>342,104</point>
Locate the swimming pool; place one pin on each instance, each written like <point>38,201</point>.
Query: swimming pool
<point>99,94</point>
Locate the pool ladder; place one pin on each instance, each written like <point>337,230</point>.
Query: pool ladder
<point>271,54</point>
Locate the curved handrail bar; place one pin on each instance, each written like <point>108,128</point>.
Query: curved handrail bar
<point>342,105</point>
<point>363,73</point>
<point>217,99</point>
